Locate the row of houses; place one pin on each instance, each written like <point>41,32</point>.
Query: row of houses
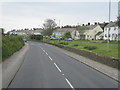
<point>35,31</point>
<point>98,31</point>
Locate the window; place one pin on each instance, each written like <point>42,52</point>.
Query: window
<point>105,35</point>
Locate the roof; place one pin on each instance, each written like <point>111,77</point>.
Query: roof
<point>99,33</point>
<point>90,27</point>
<point>86,28</point>
<point>64,29</point>
<point>111,24</point>
<point>102,25</point>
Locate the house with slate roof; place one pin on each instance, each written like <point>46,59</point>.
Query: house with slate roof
<point>112,32</point>
<point>59,32</point>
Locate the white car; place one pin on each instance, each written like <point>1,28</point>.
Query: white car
<point>68,39</point>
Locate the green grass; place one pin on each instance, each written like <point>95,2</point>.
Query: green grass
<point>101,48</point>
<point>11,44</point>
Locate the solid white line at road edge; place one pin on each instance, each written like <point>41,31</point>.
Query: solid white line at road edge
<point>69,83</point>
<point>57,67</point>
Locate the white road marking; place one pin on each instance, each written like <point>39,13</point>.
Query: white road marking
<point>43,50</point>
<point>57,67</point>
<point>50,58</point>
<point>69,83</point>
<point>46,53</point>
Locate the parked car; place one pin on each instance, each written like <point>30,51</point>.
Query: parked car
<point>52,38</point>
<point>24,40</point>
<point>68,39</point>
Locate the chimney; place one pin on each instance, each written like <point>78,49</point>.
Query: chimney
<point>95,23</point>
<point>89,24</point>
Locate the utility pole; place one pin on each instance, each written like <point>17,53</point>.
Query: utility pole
<point>59,23</point>
<point>108,43</point>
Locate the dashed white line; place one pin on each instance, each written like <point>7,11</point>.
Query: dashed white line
<point>69,83</point>
<point>43,50</point>
<point>57,67</point>
<point>50,58</point>
<point>46,53</point>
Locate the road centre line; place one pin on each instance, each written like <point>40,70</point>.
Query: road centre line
<point>50,58</point>
<point>43,50</point>
<point>46,53</point>
<point>69,83</point>
<point>57,67</point>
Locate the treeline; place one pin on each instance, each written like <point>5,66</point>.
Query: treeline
<point>36,37</point>
<point>11,44</point>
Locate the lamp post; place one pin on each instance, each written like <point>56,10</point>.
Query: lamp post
<point>108,46</point>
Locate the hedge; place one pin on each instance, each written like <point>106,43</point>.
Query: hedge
<point>11,44</point>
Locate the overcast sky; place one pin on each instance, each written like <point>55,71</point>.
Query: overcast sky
<point>18,15</point>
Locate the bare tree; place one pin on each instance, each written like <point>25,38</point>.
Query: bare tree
<point>49,24</point>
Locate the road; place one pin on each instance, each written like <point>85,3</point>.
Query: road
<point>46,67</point>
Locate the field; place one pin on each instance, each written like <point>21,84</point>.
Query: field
<point>100,48</point>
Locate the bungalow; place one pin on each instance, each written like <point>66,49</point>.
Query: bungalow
<point>112,32</point>
<point>59,32</point>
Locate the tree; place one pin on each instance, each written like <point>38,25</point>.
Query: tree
<point>47,32</point>
<point>49,24</point>
<point>67,35</point>
<point>80,27</point>
<point>36,37</point>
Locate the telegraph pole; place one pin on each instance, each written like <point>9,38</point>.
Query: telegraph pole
<point>108,43</point>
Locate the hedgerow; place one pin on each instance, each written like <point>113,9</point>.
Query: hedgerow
<point>11,44</point>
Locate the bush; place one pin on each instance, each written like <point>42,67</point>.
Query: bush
<point>75,45</point>
<point>11,44</point>
<point>90,47</point>
<point>64,43</point>
<point>36,37</point>
<point>61,43</point>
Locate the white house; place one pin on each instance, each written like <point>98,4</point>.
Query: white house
<point>112,31</point>
<point>94,33</point>
<point>35,31</point>
<point>75,35</point>
<point>59,32</point>
<point>13,32</point>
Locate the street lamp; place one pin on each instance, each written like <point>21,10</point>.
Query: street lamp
<point>108,46</point>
